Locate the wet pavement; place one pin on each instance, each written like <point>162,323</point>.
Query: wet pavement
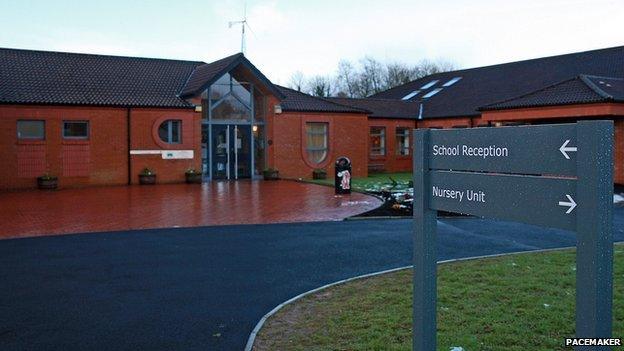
<point>95,209</point>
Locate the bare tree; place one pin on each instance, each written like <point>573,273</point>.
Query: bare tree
<point>369,76</point>
<point>346,79</point>
<point>426,67</point>
<point>320,86</point>
<point>297,81</point>
<point>399,74</point>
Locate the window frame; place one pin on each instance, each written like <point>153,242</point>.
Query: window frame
<point>86,137</point>
<point>403,148</point>
<point>21,138</point>
<point>432,93</point>
<point>382,135</point>
<point>169,123</point>
<point>308,149</point>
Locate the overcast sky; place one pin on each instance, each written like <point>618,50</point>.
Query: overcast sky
<point>312,36</point>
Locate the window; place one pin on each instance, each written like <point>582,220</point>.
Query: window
<point>33,130</point>
<point>377,141</point>
<point>75,129</point>
<point>432,93</point>
<point>411,95</point>
<point>316,141</point>
<point>429,85</point>
<point>451,82</point>
<point>170,131</point>
<point>402,142</point>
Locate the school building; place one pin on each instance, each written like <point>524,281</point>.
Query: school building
<point>100,120</point>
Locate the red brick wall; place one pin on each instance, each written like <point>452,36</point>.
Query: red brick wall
<point>348,134</point>
<point>457,122</point>
<point>390,162</point>
<point>97,161</point>
<point>144,137</point>
<point>100,160</point>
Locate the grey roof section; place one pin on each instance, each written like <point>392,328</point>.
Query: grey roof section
<point>486,85</point>
<point>383,108</point>
<point>582,89</point>
<point>47,77</point>
<point>296,101</point>
<point>205,75</point>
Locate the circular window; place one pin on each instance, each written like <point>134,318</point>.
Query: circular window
<point>170,131</point>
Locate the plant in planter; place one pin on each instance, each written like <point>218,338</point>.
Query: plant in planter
<point>147,176</point>
<point>270,174</point>
<point>47,182</point>
<point>193,176</point>
<point>319,173</point>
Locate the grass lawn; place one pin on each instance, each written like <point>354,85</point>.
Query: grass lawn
<point>517,302</point>
<point>374,182</point>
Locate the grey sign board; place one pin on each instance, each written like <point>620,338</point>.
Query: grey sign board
<point>552,175</point>
<point>521,150</point>
<point>528,199</point>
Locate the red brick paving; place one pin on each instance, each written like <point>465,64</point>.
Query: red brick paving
<point>38,213</point>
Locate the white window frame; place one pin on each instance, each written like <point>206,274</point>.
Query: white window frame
<point>169,123</point>
<point>381,149</point>
<point>432,93</point>
<point>324,148</point>
<point>411,95</point>
<point>452,81</point>
<point>403,147</point>
<point>20,137</point>
<point>430,84</point>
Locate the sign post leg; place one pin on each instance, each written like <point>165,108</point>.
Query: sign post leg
<point>425,260</point>
<point>594,256</point>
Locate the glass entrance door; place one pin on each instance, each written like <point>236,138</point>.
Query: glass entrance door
<point>231,151</point>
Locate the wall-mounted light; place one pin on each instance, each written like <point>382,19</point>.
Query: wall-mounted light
<point>278,109</point>
<point>254,128</point>
<point>198,108</point>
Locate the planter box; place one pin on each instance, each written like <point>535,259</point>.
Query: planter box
<point>47,184</point>
<point>147,179</point>
<point>271,175</point>
<point>193,178</point>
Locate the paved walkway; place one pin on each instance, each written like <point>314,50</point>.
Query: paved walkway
<point>205,288</point>
<point>97,209</point>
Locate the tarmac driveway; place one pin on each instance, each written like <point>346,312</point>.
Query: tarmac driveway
<point>205,288</point>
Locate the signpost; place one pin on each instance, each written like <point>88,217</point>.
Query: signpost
<point>551,175</point>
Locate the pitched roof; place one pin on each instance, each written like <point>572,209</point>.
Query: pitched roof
<point>46,77</point>
<point>486,85</point>
<point>383,108</point>
<point>581,89</point>
<point>203,76</point>
<point>297,101</point>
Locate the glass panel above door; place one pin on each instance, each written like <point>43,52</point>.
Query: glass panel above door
<point>220,88</point>
<point>231,109</point>
<point>242,92</point>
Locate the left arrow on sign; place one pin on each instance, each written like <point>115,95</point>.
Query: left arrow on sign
<point>571,204</point>
<point>565,149</point>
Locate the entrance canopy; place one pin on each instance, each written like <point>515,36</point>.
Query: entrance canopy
<point>234,96</point>
<point>238,65</point>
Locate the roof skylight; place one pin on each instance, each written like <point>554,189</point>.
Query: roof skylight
<point>430,84</point>
<point>432,93</point>
<point>452,81</point>
<point>411,95</point>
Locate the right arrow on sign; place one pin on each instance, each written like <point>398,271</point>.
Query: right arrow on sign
<point>571,204</point>
<point>565,149</point>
